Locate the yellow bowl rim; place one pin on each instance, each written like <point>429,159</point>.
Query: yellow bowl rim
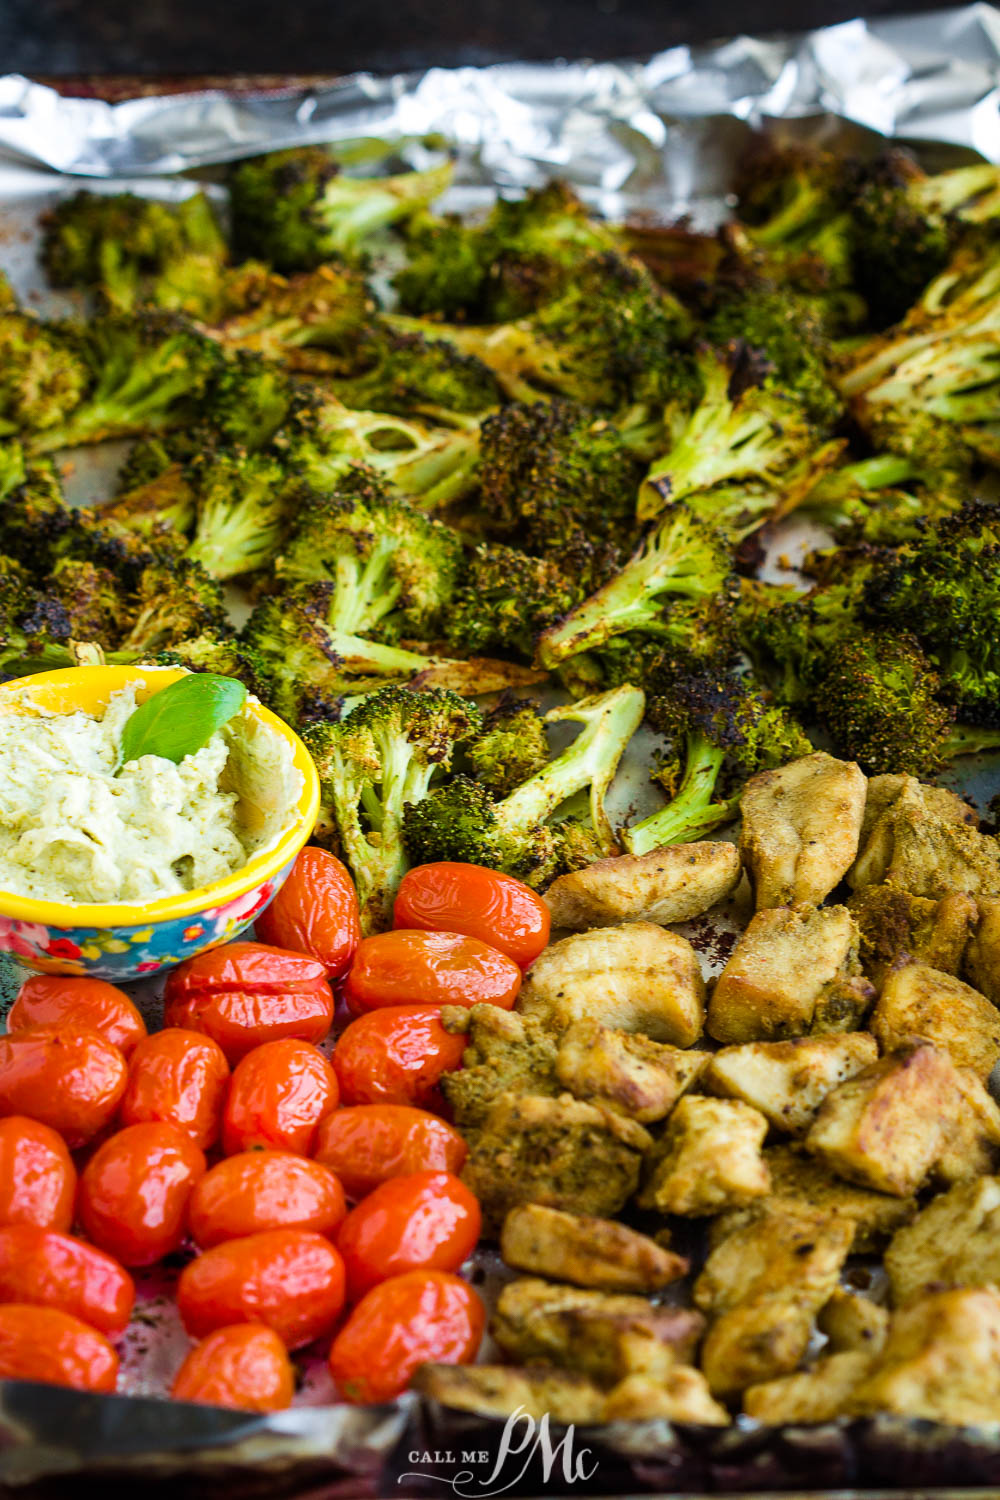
<point>257,872</point>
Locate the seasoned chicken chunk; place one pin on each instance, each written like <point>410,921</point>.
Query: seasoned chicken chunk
<point>708,1159</point>
<point>596,1253</point>
<point>680,1395</point>
<point>559,1152</point>
<point>505,1052</point>
<point>853,1323</point>
<point>955,1241</point>
<point>671,884</point>
<point>499,1390</point>
<point>800,830</point>
<point>924,840</point>
<point>800,1181</point>
<point>765,1283</point>
<point>887,1126</point>
<point>794,970</point>
<point>972,1125</point>
<point>816,1395</point>
<point>788,1081</point>
<point>941,1360</point>
<point>626,1073</point>
<point>982,956</point>
<point>638,977</point>
<point>895,926</point>
<point>605,1337</point>
<point>920,1001</point>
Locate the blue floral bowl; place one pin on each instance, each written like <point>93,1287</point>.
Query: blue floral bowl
<point>126,942</point>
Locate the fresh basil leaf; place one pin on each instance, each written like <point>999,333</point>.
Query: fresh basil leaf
<point>182,717</point>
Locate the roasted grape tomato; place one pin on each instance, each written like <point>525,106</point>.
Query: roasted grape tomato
<point>37,1175</point>
<point>315,912</point>
<point>429,968</point>
<point>44,1344</point>
<point>57,1270</point>
<point>497,909</point>
<point>258,1190</point>
<point>277,1097</point>
<point>428,1221</point>
<point>180,1078</point>
<point>244,1367</point>
<point>366,1144</point>
<point>289,1279</point>
<point>134,1192</point>
<point>55,999</point>
<point>67,1078</point>
<point>396,1055</point>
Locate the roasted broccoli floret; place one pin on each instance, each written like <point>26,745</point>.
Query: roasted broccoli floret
<point>43,375</point>
<point>34,626</point>
<point>553,474</point>
<point>883,500</point>
<point>248,402</point>
<point>328,308</point>
<point>162,510</point>
<point>406,373</point>
<point>296,209</point>
<point>681,558</point>
<point>173,600</point>
<point>133,250</point>
<point>506,598</point>
<point>96,604</point>
<point>374,766</point>
<point>521,833</point>
<point>721,730</point>
<point>33,514</point>
<point>245,505</point>
<point>393,568</point>
<point>13,471</point>
<point>215,651</point>
<point>149,373</point>
<point>511,748</point>
<point>782,326</point>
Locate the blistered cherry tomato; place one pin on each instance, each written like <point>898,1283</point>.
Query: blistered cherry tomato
<point>277,1097</point>
<point>428,1221</point>
<point>245,1367</point>
<point>396,1056</point>
<point>245,994</point>
<point>68,1078</point>
<point>316,911</point>
<point>290,1279</point>
<point>370,1143</point>
<point>497,909</point>
<point>179,1078</point>
<point>134,1192</point>
<point>259,1190</point>
<point>37,1175</point>
<point>42,1343</point>
<point>58,999</point>
<point>422,1317</point>
<point>56,1270</point>
<point>429,968</point>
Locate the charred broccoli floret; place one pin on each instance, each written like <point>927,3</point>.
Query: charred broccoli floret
<point>43,376</point>
<point>248,402</point>
<point>173,601</point>
<point>520,834</point>
<point>784,328</point>
<point>93,598</point>
<point>406,373</point>
<point>722,730</point>
<point>244,506</point>
<point>884,500</point>
<point>374,766</point>
<point>34,515</point>
<point>328,308</point>
<point>162,511</point>
<point>34,626</point>
<point>214,651</point>
<point>296,209</point>
<point>511,748</point>
<point>506,598</point>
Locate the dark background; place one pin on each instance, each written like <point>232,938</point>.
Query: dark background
<point>79,37</point>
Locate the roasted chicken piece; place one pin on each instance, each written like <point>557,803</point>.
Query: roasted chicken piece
<point>973,1132</point>
<point>819,1394</point>
<point>920,1001</point>
<point>505,1051</point>
<point>941,1360</point>
<point>853,1323</point>
<point>709,1159</point>
<point>800,1182</point>
<point>794,970</point>
<point>954,1241</point>
<point>681,1394</point>
<point>924,840</point>
<point>895,926</point>
<point>982,955</point>
<point>595,1253</point>
<point>671,884</point>
<point>638,977</point>
<point>560,1152</point>
<point>625,1072</point>
<point>499,1390</point>
<point>604,1337</point>
<point>788,1081</point>
<point>800,830</point>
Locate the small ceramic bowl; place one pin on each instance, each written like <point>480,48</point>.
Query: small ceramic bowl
<point>123,942</point>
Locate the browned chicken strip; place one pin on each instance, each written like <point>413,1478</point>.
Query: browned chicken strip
<point>941,1360</point>
<point>499,1390</point>
<point>924,840</point>
<point>671,884</point>
<point>800,830</point>
<point>626,1073</point>
<point>920,1001</point>
<point>595,1253</point>
<point>788,1081</point>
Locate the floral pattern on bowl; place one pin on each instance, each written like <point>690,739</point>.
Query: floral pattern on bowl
<point>121,953</point>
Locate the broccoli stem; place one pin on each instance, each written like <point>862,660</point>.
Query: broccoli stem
<point>690,814</point>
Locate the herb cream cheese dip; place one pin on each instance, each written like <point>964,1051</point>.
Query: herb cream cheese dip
<point>73,830</point>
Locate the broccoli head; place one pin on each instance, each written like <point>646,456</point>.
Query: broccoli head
<point>406,373</point>
<point>34,626</point>
<point>174,599</point>
<point>217,652</point>
<point>506,598</point>
<point>244,506</point>
<point>783,326</point>
<point>511,748</point>
<point>93,598</point>
<point>43,377</point>
<point>162,510</point>
<point>328,308</point>
<point>375,765</point>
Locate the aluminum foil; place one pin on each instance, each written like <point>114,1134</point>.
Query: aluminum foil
<point>656,138</point>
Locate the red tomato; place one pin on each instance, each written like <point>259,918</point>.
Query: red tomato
<point>56,1270</point>
<point>259,1190</point>
<point>55,999</point>
<point>68,1078</point>
<point>179,1078</point>
<point>408,1321</point>
<point>495,908</point>
<point>316,911</point>
<point>42,1343</point>
<point>244,994</point>
<point>429,968</point>
<point>37,1175</point>
<point>289,1279</point>
<point>396,1055</point>
<point>277,1097</point>
<point>371,1143</point>
<point>134,1192</point>
<point>427,1221</point>
<point>245,1367</point>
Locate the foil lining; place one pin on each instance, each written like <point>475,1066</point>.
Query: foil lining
<point>655,138</point>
